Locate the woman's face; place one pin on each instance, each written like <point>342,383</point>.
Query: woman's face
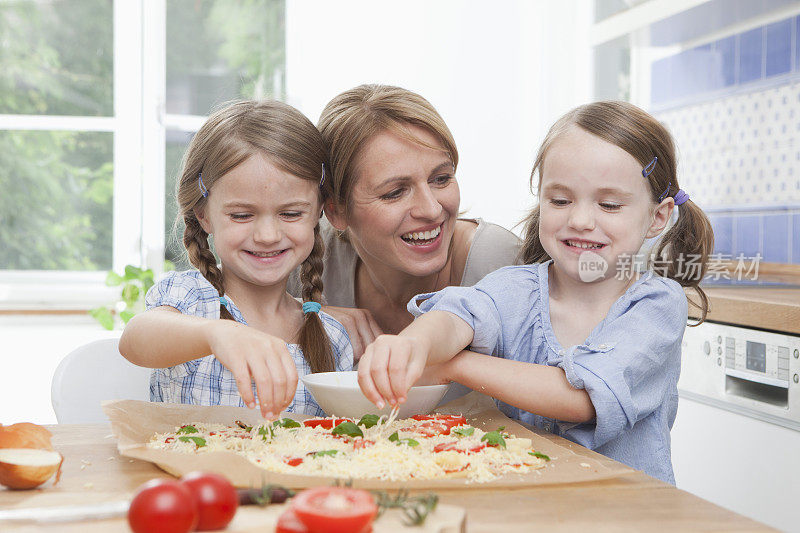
<point>404,204</point>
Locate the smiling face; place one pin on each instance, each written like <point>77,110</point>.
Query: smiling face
<point>262,219</point>
<point>593,198</point>
<point>404,204</point>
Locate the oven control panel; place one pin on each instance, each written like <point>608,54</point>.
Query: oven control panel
<point>745,370</point>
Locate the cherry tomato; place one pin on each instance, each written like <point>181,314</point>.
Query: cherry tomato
<point>216,499</point>
<point>294,462</point>
<point>335,509</point>
<point>162,506</point>
<point>289,523</point>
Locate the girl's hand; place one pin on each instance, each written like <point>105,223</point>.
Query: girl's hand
<point>390,366</point>
<point>252,355</point>
<point>360,326</point>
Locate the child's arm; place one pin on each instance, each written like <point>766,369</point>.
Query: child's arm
<point>393,363</point>
<point>540,389</point>
<point>162,337</point>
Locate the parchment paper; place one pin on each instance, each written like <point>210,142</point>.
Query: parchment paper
<point>135,422</point>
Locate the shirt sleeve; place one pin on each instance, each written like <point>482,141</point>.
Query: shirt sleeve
<point>188,292</point>
<point>479,306</point>
<point>630,369</point>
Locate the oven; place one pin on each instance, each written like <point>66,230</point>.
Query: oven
<point>736,438</point>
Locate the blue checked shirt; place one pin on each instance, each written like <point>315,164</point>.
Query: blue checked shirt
<point>629,364</point>
<point>205,381</point>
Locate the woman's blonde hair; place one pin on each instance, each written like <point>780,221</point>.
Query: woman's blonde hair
<point>352,118</point>
<point>643,137</point>
<point>228,138</point>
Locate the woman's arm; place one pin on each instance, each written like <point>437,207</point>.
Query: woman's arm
<point>163,337</point>
<point>539,389</point>
<point>360,326</point>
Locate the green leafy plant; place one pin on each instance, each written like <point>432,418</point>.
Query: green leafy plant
<point>134,283</point>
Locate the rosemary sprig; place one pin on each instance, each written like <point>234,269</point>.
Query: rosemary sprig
<point>415,509</point>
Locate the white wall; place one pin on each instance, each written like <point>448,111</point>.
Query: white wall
<point>498,72</point>
<point>31,348</point>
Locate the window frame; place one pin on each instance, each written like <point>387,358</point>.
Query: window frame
<point>138,127</point>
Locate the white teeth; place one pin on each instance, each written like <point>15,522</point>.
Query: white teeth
<point>422,235</point>
<point>584,245</point>
<point>267,254</point>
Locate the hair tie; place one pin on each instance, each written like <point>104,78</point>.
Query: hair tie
<point>680,197</point>
<point>322,180</point>
<point>311,307</point>
<point>203,189</point>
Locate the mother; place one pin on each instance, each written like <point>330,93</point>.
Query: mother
<point>392,205</point>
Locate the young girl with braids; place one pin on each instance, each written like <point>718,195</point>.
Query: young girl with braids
<point>574,341</point>
<point>252,182</point>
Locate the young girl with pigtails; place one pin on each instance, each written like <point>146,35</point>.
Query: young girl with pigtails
<point>252,182</point>
<point>574,342</point>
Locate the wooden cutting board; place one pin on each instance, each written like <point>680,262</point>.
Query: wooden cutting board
<point>255,519</point>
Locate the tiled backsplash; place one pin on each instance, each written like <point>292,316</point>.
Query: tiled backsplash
<point>734,109</point>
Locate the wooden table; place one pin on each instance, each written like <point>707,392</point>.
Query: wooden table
<point>94,472</point>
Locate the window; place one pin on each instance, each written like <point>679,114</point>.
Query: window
<point>98,101</point>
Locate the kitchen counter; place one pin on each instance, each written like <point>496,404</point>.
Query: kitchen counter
<point>94,472</point>
<point>773,308</point>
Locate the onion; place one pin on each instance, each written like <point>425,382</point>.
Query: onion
<point>25,435</point>
<point>25,468</point>
<point>27,458</point>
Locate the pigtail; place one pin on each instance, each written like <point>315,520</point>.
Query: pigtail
<point>684,250</point>
<point>313,339</point>
<point>195,240</point>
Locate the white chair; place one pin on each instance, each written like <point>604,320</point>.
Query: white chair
<point>90,374</point>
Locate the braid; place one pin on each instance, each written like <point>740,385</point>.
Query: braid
<point>195,240</point>
<point>314,340</point>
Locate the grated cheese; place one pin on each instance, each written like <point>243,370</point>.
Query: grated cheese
<point>415,453</point>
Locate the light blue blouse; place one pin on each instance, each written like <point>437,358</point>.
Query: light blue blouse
<point>205,381</point>
<point>629,364</point>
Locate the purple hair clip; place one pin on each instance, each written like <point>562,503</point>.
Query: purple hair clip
<point>648,169</point>
<point>203,189</point>
<point>680,197</point>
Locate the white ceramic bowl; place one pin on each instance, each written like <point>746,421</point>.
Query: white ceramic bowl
<point>338,394</point>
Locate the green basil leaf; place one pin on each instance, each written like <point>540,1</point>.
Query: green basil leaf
<point>494,438</point>
<point>188,429</point>
<point>539,455</point>
<point>393,437</point>
<point>286,423</point>
<point>349,429</point>
<point>323,453</point>
<point>465,431</point>
<point>369,420</point>
<point>411,442</point>
<point>198,441</point>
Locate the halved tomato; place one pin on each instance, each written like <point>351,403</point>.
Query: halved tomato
<point>289,523</point>
<point>335,509</point>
